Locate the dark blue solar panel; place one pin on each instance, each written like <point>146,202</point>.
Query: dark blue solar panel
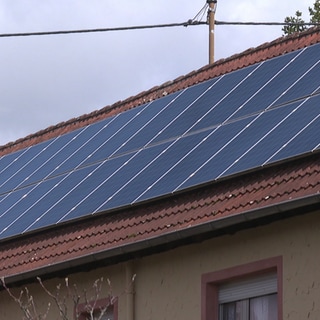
<point>20,200</point>
<point>306,139</point>
<point>7,201</point>
<point>39,166</point>
<point>199,107</point>
<point>287,122</point>
<point>236,104</point>
<point>125,135</point>
<point>15,167</point>
<point>42,197</point>
<point>90,153</point>
<point>291,76</point>
<point>69,158</point>
<point>213,142</point>
<point>154,169</point>
<point>217,162</point>
<point>227,125</point>
<point>151,131</point>
<point>305,84</point>
<point>81,147</point>
<point>268,133</point>
<point>113,180</point>
<point>6,161</point>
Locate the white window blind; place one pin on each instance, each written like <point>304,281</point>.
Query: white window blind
<point>248,288</point>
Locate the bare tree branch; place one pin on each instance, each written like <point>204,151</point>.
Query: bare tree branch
<point>26,304</point>
<point>92,300</point>
<point>61,304</point>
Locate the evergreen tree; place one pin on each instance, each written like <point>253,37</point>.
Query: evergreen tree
<point>315,12</point>
<point>298,27</point>
<point>292,28</point>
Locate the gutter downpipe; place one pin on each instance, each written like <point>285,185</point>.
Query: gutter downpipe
<point>129,290</point>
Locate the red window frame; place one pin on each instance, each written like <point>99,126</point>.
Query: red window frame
<point>210,284</point>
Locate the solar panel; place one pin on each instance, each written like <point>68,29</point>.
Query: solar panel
<point>237,122</point>
<point>301,132</point>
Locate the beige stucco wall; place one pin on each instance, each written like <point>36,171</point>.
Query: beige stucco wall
<point>168,285</point>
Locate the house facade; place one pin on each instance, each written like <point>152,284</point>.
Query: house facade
<point>241,247</point>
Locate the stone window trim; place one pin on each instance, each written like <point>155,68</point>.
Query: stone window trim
<point>101,303</point>
<point>210,284</point>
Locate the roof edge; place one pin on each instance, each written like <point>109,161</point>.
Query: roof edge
<point>215,228</point>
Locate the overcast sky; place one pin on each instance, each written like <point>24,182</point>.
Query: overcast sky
<point>49,79</point>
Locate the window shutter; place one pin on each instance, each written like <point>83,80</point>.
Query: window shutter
<point>248,288</point>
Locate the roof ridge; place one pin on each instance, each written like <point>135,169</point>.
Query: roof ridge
<point>248,57</point>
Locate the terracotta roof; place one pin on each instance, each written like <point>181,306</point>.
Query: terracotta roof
<point>266,51</point>
<point>265,189</point>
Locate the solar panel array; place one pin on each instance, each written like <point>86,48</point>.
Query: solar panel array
<point>252,117</point>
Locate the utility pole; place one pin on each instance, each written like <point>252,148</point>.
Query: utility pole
<point>211,22</point>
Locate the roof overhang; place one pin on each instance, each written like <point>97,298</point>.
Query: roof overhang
<point>166,241</point>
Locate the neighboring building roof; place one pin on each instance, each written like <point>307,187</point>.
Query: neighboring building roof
<point>167,222</point>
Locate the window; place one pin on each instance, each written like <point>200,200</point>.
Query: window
<point>247,292</point>
<point>253,298</point>
<point>110,314</point>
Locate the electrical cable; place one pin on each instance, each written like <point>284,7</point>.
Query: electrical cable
<point>191,22</point>
<point>205,12</point>
<point>46,33</point>
<point>199,16</point>
<point>217,22</point>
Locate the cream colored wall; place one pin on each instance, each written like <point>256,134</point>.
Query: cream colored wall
<point>168,285</point>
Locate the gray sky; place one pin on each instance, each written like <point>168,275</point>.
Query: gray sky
<point>49,79</point>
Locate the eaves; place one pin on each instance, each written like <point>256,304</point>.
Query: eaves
<point>210,229</point>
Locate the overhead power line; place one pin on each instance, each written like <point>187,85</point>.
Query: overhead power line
<point>47,33</point>
<point>266,23</point>
<point>188,23</point>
